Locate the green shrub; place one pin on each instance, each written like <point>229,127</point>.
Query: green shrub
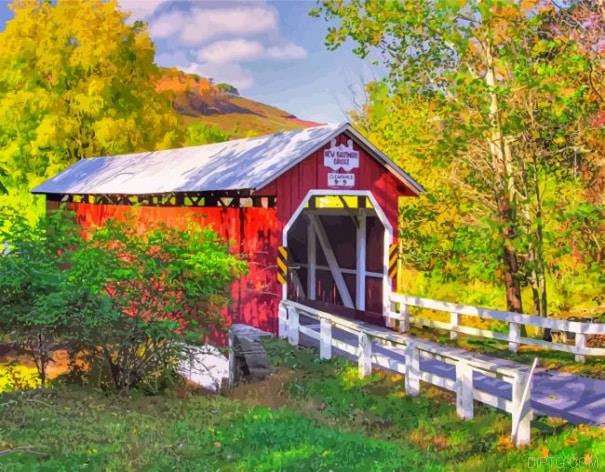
<point>125,299</point>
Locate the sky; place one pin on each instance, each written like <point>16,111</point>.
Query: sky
<point>272,51</point>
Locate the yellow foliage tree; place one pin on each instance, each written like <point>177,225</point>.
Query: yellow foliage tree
<point>75,81</point>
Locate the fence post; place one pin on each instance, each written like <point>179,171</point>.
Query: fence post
<point>293,325</point>
<point>454,320</point>
<point>464,390</point>
<point>365,354</point>
<point>282,318</point>
<point>580,345</point>
<point>412,369</point>
<point>522,413</point>
<point>514,336</point>
<point>404,318</point>
<point>389,321</point>
<point>325,339</point>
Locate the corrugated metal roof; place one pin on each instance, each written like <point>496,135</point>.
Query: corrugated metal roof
<point>241,164</point>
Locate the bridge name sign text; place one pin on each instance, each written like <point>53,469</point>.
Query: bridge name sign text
<point>341,157</point>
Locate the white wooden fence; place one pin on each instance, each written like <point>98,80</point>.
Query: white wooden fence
<point>582,330</point>
<point>518,375</point>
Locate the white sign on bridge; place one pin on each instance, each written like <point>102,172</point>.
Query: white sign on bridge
<point>341,157</point>
<point>336,179</point>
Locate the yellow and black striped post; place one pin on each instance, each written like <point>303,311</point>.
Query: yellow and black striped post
<point>282,265</point>
<point>393,259</point>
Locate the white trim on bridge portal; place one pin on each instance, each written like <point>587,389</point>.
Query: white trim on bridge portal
<point>388,239</point>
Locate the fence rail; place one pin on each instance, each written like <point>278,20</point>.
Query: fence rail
<point>400,304</point>
<point>517,375</point>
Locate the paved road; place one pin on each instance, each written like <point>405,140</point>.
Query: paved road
<point>574,398</point>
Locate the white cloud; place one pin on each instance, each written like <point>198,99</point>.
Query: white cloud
<point>233,74</point>
<point>289,51</point>
<point>215,40</point>
<point>172,59</point>
<point>234,50</point>
<point>196,26</point>
<point>140,9</point>
<point>168,25</point>
<point>245,50</point>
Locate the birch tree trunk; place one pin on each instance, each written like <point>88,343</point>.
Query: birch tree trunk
<point>504,189</point>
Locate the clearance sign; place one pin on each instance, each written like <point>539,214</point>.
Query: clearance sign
<point>342,159</point>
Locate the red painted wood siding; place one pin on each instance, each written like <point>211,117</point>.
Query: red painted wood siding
<point>251,233</point>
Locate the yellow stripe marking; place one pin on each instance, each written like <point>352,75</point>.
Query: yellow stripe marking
<point>283,252</point>
<point>280,279</point>
<point>282,266</point>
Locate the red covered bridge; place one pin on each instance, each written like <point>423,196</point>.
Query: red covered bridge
<point>313,211</point>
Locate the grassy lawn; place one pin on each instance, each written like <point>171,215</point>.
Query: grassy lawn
<point>310,415</point>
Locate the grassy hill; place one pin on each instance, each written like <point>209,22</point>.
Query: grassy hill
<point>198,100</point>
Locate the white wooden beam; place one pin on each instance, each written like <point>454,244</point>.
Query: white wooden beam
<point>293,326</point>
<point>386,281</point>
<point>360,277</point>
<point>344,270</point>
<point>464,390</point>
<point>324,242</point>
<point>311,263</point>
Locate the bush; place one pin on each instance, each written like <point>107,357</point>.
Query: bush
<point>126,300</point>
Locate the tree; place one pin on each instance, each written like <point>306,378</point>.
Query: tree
<point>34,306</point>
<point>506,96</point>
<point>201,133</point>
<point>227,88</point>
<point>75,81</point>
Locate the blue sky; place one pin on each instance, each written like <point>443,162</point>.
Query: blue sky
<point>272,51</point>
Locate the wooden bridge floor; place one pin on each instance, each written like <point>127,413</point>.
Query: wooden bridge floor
<point>574,398</point>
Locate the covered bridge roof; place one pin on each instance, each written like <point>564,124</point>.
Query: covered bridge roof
<point>242,164</point>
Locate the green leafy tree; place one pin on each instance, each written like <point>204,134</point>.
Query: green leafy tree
<point>503,96</point>
<point>34,308</point>
<point>201,133</point>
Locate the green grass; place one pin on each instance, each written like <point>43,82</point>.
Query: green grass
<point>310,416</point>
<point>85,430</point>
<point>377,407</point>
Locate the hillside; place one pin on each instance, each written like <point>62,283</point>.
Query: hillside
<point>198,100</point>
